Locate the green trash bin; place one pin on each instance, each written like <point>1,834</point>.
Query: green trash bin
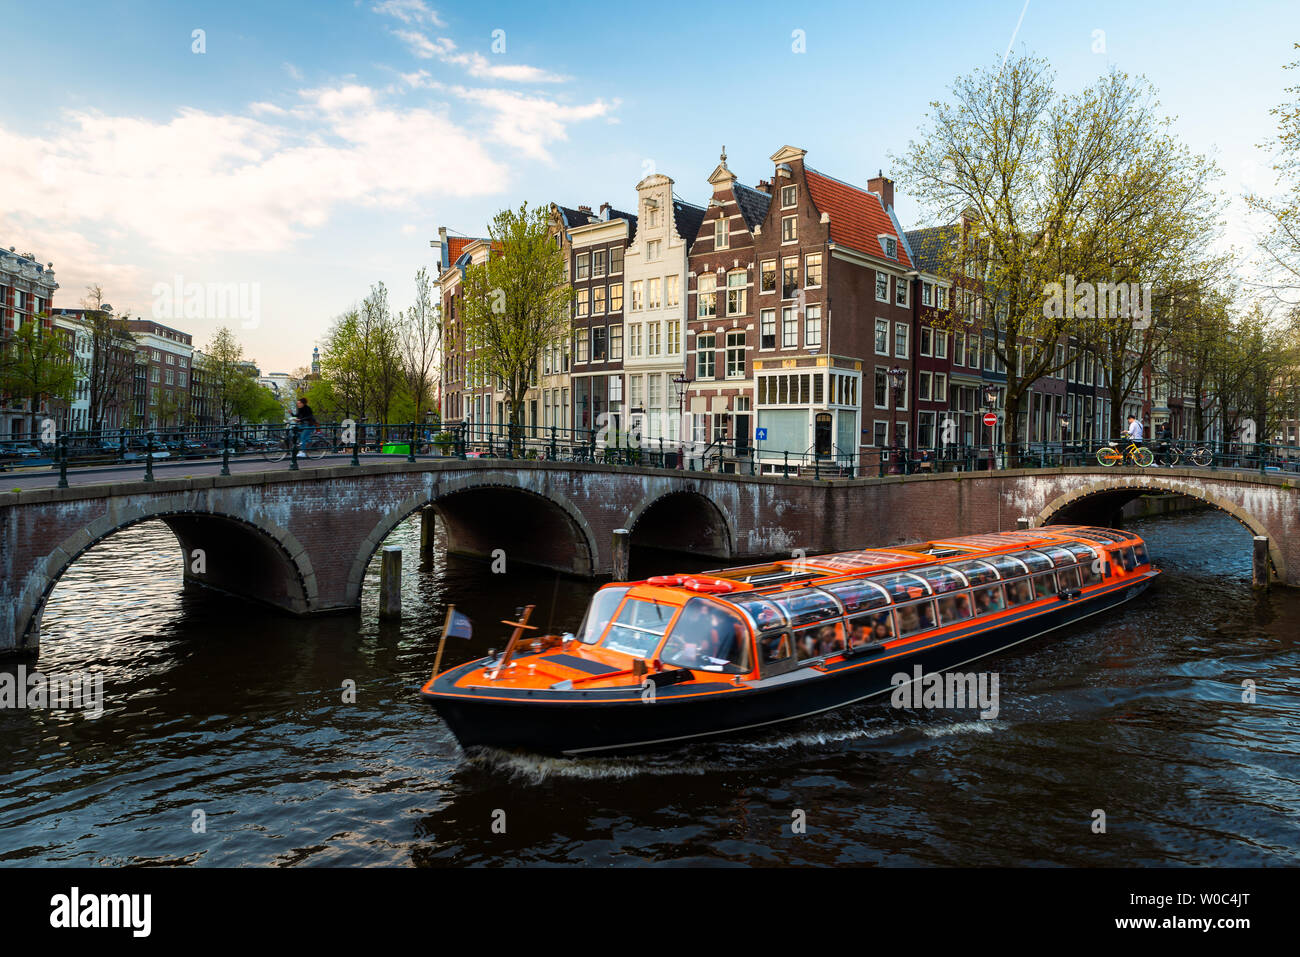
<point>395,448</point>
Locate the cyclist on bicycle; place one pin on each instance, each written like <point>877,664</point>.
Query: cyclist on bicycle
<point>1134,430</point>
<point>304,426</point>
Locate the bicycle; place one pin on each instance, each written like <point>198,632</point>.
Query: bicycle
<point>1110,455</point>
<point>315,446</point>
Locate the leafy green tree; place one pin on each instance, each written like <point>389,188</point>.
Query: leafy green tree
<point>36,365</point>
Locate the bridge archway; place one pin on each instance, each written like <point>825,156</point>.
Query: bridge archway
<point>684,520</point>
<point>480,514</point>
<point>1099,502</point>
<point>253,559</point>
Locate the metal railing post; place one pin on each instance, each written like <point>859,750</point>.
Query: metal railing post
<point>148,457</point>
<point>63,461</point>
<point>225,451</point>
<point>410,446</point>
<point>292,441</point>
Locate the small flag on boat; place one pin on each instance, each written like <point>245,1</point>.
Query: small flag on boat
<point>458,626</point>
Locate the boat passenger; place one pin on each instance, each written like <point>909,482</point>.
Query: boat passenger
<point>829,640</point>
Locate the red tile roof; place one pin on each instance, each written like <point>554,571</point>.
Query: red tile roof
<point>857,216</point>
<point>455,246</point>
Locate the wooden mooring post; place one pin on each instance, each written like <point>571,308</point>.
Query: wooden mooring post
<point>390,582</point>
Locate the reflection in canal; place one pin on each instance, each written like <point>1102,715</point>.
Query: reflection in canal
<point>222,707</point>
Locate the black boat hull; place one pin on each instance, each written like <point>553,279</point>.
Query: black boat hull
<point>592,723</point>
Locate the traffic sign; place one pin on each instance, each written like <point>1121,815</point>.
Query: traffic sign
<point>760,435</point>
<point>990,419</point>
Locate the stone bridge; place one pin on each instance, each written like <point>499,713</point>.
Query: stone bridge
<point>301,541</point>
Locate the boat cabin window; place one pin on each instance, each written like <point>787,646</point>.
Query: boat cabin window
<point>1090,572</point>
<point>1069,578</point>
<point>775,647</point>
<point>806,606</point>
<point>599,614</point>
<point>1060,555</point>
<point>639,627</point>
<point>858,595</point>
<point>762,611</point>
<point>988,600</point>
<point>1037,561</point>
<point>819,641</point>
<point>913,619</point>
<point>1045,585</point>
<point>1140,552</point>
<point>1008,566</point>
<point>1127,560</point>
<point>977,573</point>
<point>708,637</point>
<point>942,579</point>
<point>1084,554</point>
<point>903,587</point>
<point>871,629</point>
<point>1019,592</point>
<point>954,608</point>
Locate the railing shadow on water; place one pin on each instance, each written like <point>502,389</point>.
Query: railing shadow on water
<point>278,446</point>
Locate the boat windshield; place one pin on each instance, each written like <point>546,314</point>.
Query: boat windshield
<point>978,573</point>
<point>600,613</point>
<point>942,579</point>
<point>1008,566</point>
<point>1037,561</point>
<point>902,587</point>
<point>1063,555</point>
<point>708,637</point>
<point>639,627</point>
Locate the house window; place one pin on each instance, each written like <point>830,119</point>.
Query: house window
<point>891,247</point>
<point>583,305</point>
<point>940,391</point>
<point>707,298</point>
<point>634,340</point>
<point>940,344</point>
<point>882,337</point>
<point>812,270</point>
<point>788,229</point>
<point>653,332</point>
<point>941,297</point>
<point>923,380</point>
<point>789,328</point>
<point>767,329</point>
<point>900,291</point>
<point>927,294</point>
<point>788,196</point>
<point>900,340</point>
<point>654,294</point>
<point>597,300</point>
<point>598,263</point>
<point>879,432</point>
<point>736,292</point>
<point>598,353</point>
<point>615,297</point>
<point>705,357</point>
<point>882,287</point>
<point>651,212</point>
<point>767,282</point>
<point>673,291</point>
<point>882,388</point>
<point>652,250</point>
<point>927,341</point>
<point>789,277</point>
<point>721,233</point>
<point>812,326</point>
<point>637,300</point>
<point>615,343</point>
<point>583,270</point>
<point>674,337</point>
<point>615,260</point>
<point>735,355</point>
<point>580,346</point>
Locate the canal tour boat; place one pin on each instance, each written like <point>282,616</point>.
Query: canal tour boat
<point>677,658</point>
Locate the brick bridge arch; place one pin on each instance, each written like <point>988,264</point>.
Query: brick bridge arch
<point>691,522</point>
<point>584,560</point>
<point>1122,491</point>
<point>236,549</point>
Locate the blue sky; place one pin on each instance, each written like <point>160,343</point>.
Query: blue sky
<point>315,147</point>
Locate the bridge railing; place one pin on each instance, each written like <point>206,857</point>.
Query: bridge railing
<point>609,446</point>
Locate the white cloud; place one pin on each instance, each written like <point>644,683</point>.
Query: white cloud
<point>408,11</point>
<point>529,123</point>
<point>476,64</point>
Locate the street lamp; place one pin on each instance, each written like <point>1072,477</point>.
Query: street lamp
<point>991,403</point>
<point>682,381</point>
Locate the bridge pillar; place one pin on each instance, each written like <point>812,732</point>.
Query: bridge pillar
<point>428,526</point>
<point>1260,576</point>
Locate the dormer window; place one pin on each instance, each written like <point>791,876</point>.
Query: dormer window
<point>889,244</point>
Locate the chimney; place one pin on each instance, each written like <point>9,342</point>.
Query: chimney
<point>604,211</point>
<point>882,187</point>
<point>585,209</point>
<point>764,186</point>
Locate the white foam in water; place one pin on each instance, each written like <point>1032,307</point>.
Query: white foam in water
<point>535,768</point>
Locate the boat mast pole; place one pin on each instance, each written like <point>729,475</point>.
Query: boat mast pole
<point>442,642</point>
<point>519,626</point>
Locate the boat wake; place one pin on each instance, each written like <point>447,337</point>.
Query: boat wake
<point>535,769</point>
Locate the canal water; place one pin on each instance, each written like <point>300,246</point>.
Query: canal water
<point>229,737</point>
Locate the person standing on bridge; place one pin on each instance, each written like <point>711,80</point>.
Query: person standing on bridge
<point>1134,430</point>
<point>306,422</point>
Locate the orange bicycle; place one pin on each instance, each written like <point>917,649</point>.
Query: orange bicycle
<point>1110,455</point>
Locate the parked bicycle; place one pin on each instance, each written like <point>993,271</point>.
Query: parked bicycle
<point>1111,454</point>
